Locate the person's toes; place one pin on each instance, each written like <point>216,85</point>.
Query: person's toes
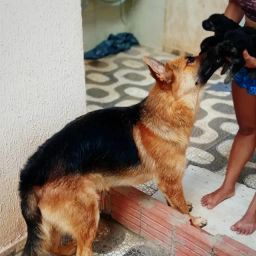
<point>247,232</point>
<point>210,205</point>
<point>243,231</point>
<point>206,200</point>
<point>238,229</point>
<point>234,228</point>
<point>204,203</point>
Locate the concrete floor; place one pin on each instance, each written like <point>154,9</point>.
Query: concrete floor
<point>198,182</point>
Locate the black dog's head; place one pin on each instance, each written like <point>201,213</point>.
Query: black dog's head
<point>226,55</point>
<point>235,42</point>
<point>211,60</point>
<point>239,41</point>
<point>219,24</point>
<point>210,42</point>
<point>232,54</point>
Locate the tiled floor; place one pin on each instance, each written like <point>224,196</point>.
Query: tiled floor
<point>119,241</point>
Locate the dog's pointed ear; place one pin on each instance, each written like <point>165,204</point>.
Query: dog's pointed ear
<point>158,70</point>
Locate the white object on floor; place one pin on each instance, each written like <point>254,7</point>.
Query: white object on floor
<point>198,182</point>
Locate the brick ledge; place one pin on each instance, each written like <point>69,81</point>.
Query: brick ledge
<point>153,220</point>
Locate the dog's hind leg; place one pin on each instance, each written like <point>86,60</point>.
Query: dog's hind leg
<point>71,205</point>
<point>58,248</point>
<point>85,227</point>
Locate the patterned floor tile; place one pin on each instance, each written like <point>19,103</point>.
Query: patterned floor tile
<point>118,241</point>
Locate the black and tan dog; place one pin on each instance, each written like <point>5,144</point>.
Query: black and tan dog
<point>60,183</point>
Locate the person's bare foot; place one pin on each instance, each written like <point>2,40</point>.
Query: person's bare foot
<point>247,225</point>
<point>216,197</point>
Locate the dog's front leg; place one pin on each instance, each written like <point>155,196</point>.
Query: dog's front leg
<point>172,188</point>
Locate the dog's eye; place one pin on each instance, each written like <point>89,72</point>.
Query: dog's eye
<point>190,59</point>
<point>218,60</point>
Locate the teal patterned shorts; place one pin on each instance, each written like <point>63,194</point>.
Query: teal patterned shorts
<point>243,80</point>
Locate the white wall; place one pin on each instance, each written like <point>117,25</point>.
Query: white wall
<point>183,27</point>
<point>161,24</point>
<point>147,22</point>
<point>41,88</point>
<point>143,18</point>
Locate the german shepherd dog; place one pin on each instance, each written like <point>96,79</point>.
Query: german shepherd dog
<point>60,183</point>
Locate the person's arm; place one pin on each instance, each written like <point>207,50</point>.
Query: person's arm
<point>234,11</point>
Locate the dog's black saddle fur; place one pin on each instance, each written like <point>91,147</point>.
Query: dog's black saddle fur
<point>98,141</point>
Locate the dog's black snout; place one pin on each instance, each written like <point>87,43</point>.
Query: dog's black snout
<point>207,25</point>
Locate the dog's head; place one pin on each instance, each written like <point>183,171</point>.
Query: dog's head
<point>210,62</point>
<point>219,24</point>
<point>177,77</point>
<point>230,52</point>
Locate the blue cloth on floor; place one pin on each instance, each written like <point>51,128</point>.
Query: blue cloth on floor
<point>112,45</point>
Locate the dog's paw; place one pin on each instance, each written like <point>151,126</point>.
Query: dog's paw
<point>190,206</point>
<point>198,222</point>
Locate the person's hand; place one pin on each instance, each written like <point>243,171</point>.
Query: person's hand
<point>250,62</point>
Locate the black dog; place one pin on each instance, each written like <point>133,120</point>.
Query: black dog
<point>225,48</point>
<point>219,24</point>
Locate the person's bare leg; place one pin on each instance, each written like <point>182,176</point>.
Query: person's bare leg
<point>242,148</point>
<point>247,225</point>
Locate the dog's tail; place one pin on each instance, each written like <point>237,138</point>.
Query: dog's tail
<point>33,218</point>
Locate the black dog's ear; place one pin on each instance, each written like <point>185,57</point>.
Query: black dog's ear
<point>207,25</point>
<point>158,70</point>
<point>209,42</point>
<point>210,23</point>
<point>233,50</point>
